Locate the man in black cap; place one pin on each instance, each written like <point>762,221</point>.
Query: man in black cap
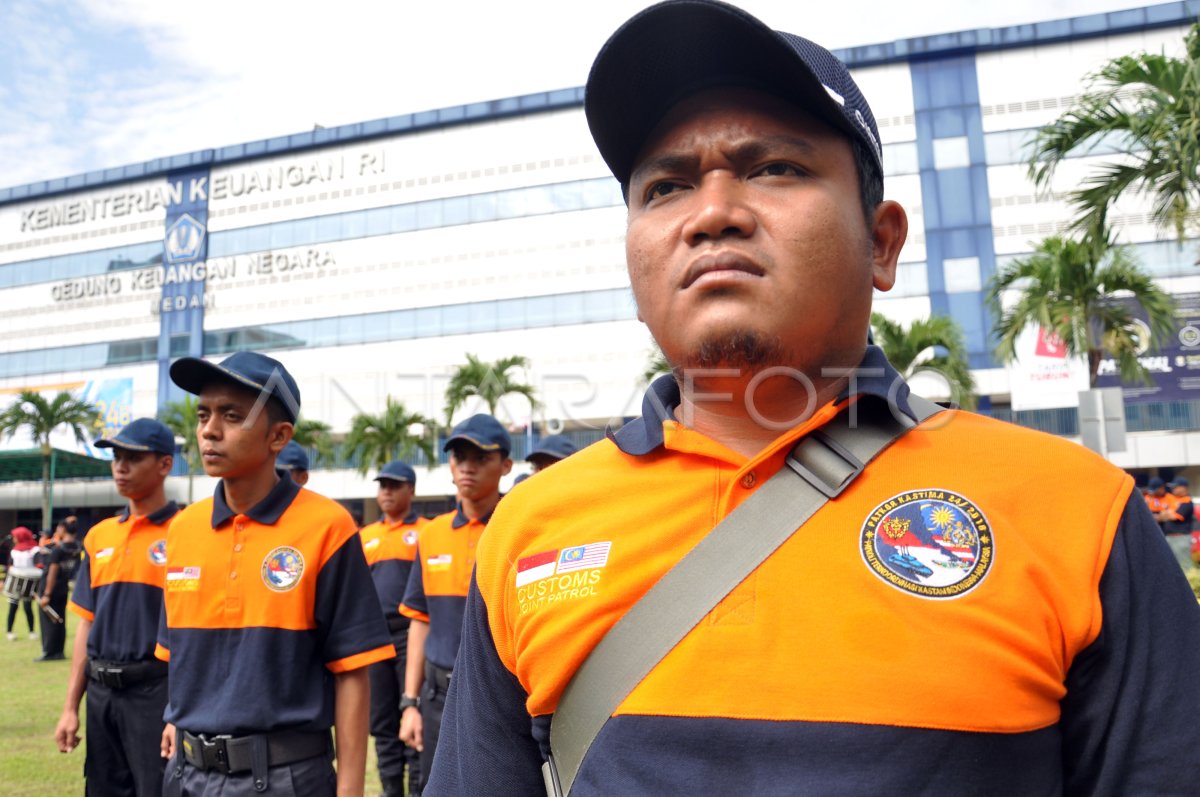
<point>549,450</point>
<point>437,586</point>
<point>118,598</point>
<point>901,620</point>
<point>294,459</point>
<point>268,631</point>
<point>390,545</point>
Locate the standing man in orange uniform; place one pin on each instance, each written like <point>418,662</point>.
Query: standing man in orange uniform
<point>118,597</point>
<point>436,595</point>
<point>390,545</point>
<point>267,627</point>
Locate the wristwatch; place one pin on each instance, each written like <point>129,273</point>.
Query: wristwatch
<point>409,702</point>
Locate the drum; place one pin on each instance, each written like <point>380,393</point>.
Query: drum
<point>21,584</point>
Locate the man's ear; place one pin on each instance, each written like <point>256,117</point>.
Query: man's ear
<point>280,435</point>
<point>506,466</point>
<point>889,230</point>
<point>164,465</point>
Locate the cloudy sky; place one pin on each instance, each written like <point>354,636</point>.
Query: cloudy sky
<point>90,84</point>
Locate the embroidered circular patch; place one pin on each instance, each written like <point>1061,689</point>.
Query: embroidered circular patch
<point>931,543</point>
<point>282,568</point>
<point>158,552</point>
<point>410,537</point>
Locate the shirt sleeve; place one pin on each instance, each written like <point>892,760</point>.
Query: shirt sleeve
<point>162,650</point>
<point>414,605</point>
<point>1129,719</point>
<point>349,620</point>
<point>82,601</point>
<point>486,745</point>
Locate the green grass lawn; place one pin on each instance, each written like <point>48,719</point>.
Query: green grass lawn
<point>30,704</point>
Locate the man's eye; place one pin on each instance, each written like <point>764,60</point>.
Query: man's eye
<point>781,170</point>
<point>661,189</point>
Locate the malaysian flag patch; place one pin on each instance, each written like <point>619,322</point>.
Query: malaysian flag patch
<point>583,557</point>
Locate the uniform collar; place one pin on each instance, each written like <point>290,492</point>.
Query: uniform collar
<point>157,517</point>
<point>875,377</point>
<point>267,511</point>
<point>461,520</point>
<point>409,519</point>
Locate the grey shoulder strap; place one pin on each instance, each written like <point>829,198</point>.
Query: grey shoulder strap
<point>820,466</point>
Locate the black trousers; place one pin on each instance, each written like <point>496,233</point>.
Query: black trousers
<point>123,733</point>
<point>393,755</point>
<point>54,634</point>
<point>433,703</point>
<point>12,612</point>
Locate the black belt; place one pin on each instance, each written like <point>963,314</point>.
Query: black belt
<point>232,754</point>
<point>437,678</point>
<point>397,622</point>
<point>119,675</point>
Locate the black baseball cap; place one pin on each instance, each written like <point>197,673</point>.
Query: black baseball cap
<point>397,471</point>
<point>555,446</point>
<point>293,457</point>
<point>482,431</point>
<point>676,48</point>
<point>143,434</point>
<point>246,368</point>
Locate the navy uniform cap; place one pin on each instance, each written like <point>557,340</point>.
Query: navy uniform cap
<point>1180,482</point>
<point>1155,483</point>
<point>293,457</point>
<point>677,48</point>
<point>143,434</point>
<point>555,446</point>
<point>482,431</point>
<point>398,471</point>
<point>246,368</point>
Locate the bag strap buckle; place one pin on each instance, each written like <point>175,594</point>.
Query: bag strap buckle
<point>825,463</point>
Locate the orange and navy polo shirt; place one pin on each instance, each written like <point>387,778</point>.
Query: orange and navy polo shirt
<point>119,586</point>
<point>390,549</point>
<point>437,589</point>
<point>928,631</point>
<point>262,609</point>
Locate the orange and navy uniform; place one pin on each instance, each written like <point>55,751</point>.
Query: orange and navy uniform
<point>1183,513</point>
<point>919,634</point>
<point>262,609</point>
<point>1157,503</point>
<point>119,587</point>
<point>437,587</point>
<point>390,549</point>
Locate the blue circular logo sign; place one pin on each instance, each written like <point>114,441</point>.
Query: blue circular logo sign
<point>931,543</point>
<point>282,568</point>
<point>158,552</point>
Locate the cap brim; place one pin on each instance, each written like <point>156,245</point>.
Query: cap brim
<point>674,49</point>
<point>403,479</point>
<point>112,442</point>
<point>461,436</point>
<point>193,374</point>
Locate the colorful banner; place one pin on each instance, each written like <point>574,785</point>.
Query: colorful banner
<point>112,397</point>
<point>1174,365</point>
<point>1044,376</point>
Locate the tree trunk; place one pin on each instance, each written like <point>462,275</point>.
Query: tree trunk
<point>1094,356</point>
<point>46,486</point>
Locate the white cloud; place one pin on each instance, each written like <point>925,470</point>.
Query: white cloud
<point>102,83</point>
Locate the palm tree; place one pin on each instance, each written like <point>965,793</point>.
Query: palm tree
<point>1070,288</point>
<point>33,413</point>
<point>935,344</point>
<point>180,418</point>
<point>389,435</point>
<point>1149,104</point>
<point>314,434</point>
<point>488,381</point>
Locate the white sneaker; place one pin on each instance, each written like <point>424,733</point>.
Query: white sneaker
<point>32,635</point>
<point>11,636</point>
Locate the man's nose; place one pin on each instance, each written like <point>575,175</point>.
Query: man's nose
<point>719,210</point>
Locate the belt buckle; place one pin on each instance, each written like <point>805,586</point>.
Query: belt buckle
<point>214,753</point>
<point>112,677</point>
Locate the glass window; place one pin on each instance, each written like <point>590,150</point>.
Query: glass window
<point>456,319</point>
<point>455,210</point>
<point>377,222</point>
<point>483,207</point>
<point>951,153</point>
<point>429,322</point>
<point>429,214</point>
<point>402,218</point>
<point>402,324</point>
<point>510,314</point>
<point>568,308</point>
<point>539,311</point>
<point>482,317</point>
<point>351,329</point>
